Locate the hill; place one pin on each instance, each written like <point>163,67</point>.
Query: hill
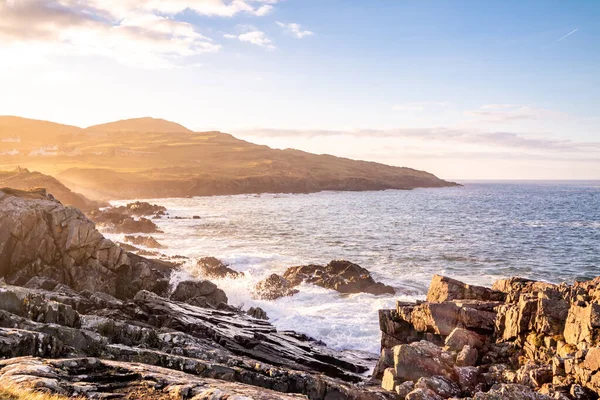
<point>158,158</point>
<point>23,179</point>
<point>146,124</point>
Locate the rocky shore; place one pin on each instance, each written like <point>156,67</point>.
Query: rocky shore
<point>521,339</point>
<point>82,316</point>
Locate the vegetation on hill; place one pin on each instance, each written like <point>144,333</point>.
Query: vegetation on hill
<point>156,158</point>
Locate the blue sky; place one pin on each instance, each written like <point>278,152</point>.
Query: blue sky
<point>464,89</point>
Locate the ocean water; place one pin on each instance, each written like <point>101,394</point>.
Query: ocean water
<point>477,233</point>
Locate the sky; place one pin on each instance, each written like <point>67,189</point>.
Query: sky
<point>465,89</point>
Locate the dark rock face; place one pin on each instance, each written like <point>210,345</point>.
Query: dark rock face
<point>203,343</point>
<point>257,313</point>
<point>122,223</point>
<point>212,267</point>
<point>40,237</point>
<point>340,275</point>
<point>520,340</point>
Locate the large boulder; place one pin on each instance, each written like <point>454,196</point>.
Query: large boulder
<point>443,289</point>
<point>340,275</point>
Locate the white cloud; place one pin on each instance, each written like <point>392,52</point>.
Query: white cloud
<point>252,35</point>
<point>295,30</point>
<point>134,32</point>
<point>258,38</point>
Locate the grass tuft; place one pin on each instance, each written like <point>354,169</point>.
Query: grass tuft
<point>14,392</point>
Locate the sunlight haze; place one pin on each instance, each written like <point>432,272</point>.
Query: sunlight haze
<point>463,89</point>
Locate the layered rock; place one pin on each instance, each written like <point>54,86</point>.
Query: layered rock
<point>519,340</point>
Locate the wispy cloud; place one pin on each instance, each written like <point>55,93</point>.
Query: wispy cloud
<point>567,35</point>
<point>295,30</point>
<point>510,112</point>
<point>511,140</point>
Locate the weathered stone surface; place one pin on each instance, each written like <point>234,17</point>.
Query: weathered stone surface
<point>199,293</point>
<point>467,357</point>
<point>422,359</point>
<point>444,289</point>
<point>443,387</point>
<point>340,275</point>
<point>94,378</point>
<point>404,388</point>
<point>510,392</point>
<point>461,337</point>
<point>423,394</point>
<point>272,288</point>
<point>212,267</point>
<point>146,241</point>
<point>257,313</point>
<point>389,380</point>
<point>541,336</point>
<point>41,238</point>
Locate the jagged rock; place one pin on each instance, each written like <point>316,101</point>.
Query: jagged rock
<point>38,282</point>
<point>18,342</point>
<point>273,288</point>
<point>111,379</point>
<point>116,222</point>
<point>199,293</point>
<point>466,378</point>
<point>423,394</point>
<point>340,275</point>
<point>460,337</point>
<point>146,241</point>
<point>510,392</point>
<point>467,357</point>
<point>212,267</point>
<point>141,209</point>
<point>257,313</point>
<point>404,388</point>
<point>444,289</point>
<point>39,237</point>
<point>443,387</point>
<point>389,380</point>
<point>422,359</point>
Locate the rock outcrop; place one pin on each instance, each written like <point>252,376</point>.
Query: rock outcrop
<point>80,316</point>
<point>212,267</point>
<point>519,340</point>
<point>340,275</point>
<point>41,237</point>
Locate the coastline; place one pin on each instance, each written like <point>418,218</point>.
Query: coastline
<point>81,304</point>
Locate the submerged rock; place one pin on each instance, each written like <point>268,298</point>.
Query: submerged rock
<point>212,267</point>
<point>272,288</point>
<point>146,241</point>
<point>340,275</point>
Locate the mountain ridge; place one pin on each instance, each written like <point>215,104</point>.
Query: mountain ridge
<point>152,158</point>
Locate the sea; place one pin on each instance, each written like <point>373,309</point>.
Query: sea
<point>477,233</point>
